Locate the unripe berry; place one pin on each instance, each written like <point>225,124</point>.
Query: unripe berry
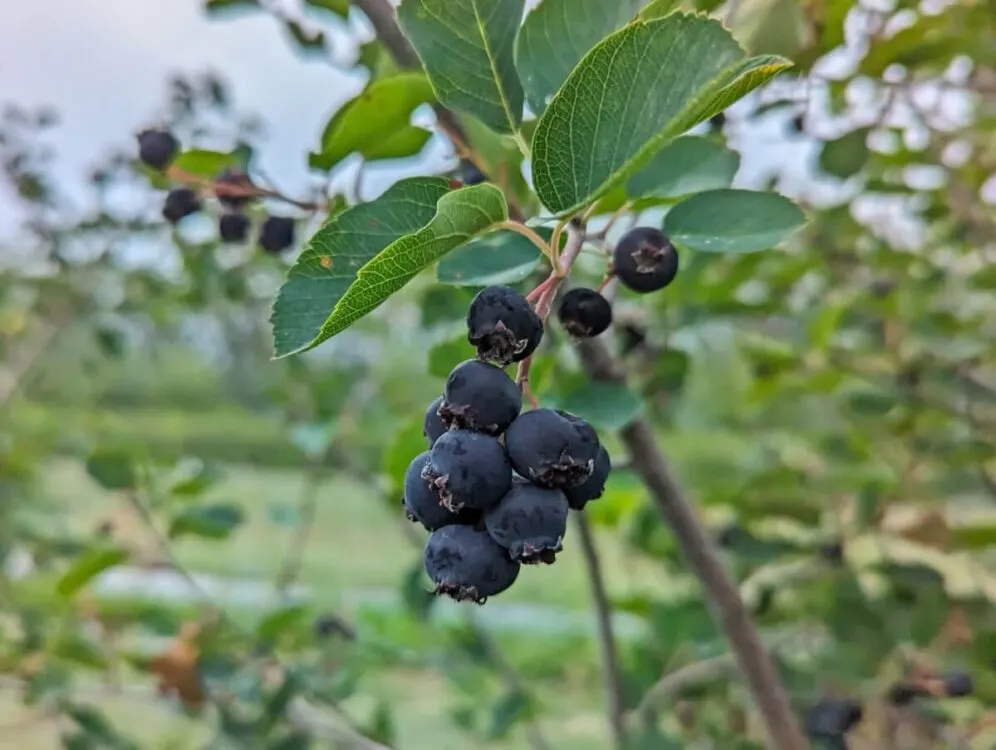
<point>467,565</point>
<point>276,234</point>
<point>233,227</point>
<point>645,260</point>
<point>179,203</point>
<point>552,448</point>
<point>584,313</point>
<point>157,148</point>
<point>480,396</point>
<point>529,522</point>
<point>503,326</point>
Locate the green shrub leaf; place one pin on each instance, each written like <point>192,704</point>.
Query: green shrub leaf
<point>497,258</point>
<point>216,521</point>
<point>688,165</point>
<point>112,469</point>
<point>88,566</point>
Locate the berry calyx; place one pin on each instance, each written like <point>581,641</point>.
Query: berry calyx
<point>480,396</point>
<point>433,427</point>
<point>592,487</point>
<point>584,313</point>
<point>552,448</point>
<point>180,202</point>
<point>530,522</point>
<point>503,326</point>
<point>645,260</point>
<point>157,148</point>
<point>422,502</point>
<point>466,564</point>
<point>468,470</point>
<point>276,234</point>
<point>233,227</point>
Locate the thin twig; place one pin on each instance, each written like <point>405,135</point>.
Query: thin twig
<point>529,234</point>
<point>606,638</point>
<point>672,684</point>
<point>298,544</point>
<point>241,191</point>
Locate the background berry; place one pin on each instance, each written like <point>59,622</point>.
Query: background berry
<point>480,396</point>
<point>179,203</point>
<point>503,326</point>
<point>592,487</point>
<point>530,522</point>
<point>469,174</point>
<point>958,684</point>
<point>422,503</point>
<point>433,427</point>
<point>157,148</point>
<point>468,470</point>
<point>467,565</point>
<point>833,717</point>
<point>584,313</point>
<point>552,448</point>
<point>276,234</point>
<point>233,227</point>
<point>645,260</point>
<point>235,178</point>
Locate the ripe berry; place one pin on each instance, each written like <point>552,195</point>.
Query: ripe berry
<point>904,693</point>
<point>481,397</point>
<point>468,470</point>
<point>470,174</point>
<point>958,684</point>
<point>592,487</point>
<point>276,234</point>
<point>422,503</point>
<point>833,717</point>
<point>233,178</point>
<point>584,313</point>
<point>329,625</point>
<point>157,148</point>
<point>503,326</point>
<point>833,552</point>
<point>233,227</point>
<point>718,121</point>
<point>433,427</point>
<point>180,202</point>
<point>552,448</point>
<point>467,565</point>
<point>645,260</point>
<point>529,522</point>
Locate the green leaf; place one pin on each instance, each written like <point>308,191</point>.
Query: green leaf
<point>75,647</point>
<point>688,165</point>
<point>557,34</point>
<point>770,27</point>
<point>308,41</point>
<point>846,155</point>
<point>219,6</point>
<point>192,477</point>
<point>460,215</point>
<point>206,164</point>
<point>332,258</point>
<point>447,355</point>
<point>631,95</point>
<point>112,469</point>
<point>377,122</point>
<point>658,9</point>
<point>510,708</point>
<point>467,49</point>
<point>497,258</point>
<point>279,620</point>
<point>974,537</point>
<point>417,598</point>
<point>606,406</point>
<point>211,521</point>
<point>88,566</point>
<point>339,8</point>
<point>732,221</point>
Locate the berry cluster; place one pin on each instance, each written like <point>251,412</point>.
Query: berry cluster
<point>233,188</point>
<point>495,487</point>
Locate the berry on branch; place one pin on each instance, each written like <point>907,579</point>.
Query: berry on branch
<point>180,202</point>
<point>530,522</point>
<point>594,485</point>
<point>584,313</point>
<point>552,448</point>
<point>645,260</point>
<point>157,148</point>
<point>433,427</point>
<point>480,396</point>
<point>467,565</point>
<point>276,234</point>
<point>233,227</point>
<point>422,503</point>
<point>503,326</point>
<point>468,470</point>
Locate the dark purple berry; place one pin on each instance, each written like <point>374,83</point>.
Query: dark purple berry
<point>157,148</point>
<point>584,313</point>
<point>592,487</point>
<point>833,552</point>
<point>329,625</point>
<point>718,121</point>
<point>467,565</point>
<point>180,202</point>
<point>645,260</point>
<point>958,684</point>
<point>422,502</point>
<point>468,470</point>
<point>233,227</point>
<point>833,717</point>
<point>480,396</point>
<point>276,234</point>
<point>433,427</point>
<point>503,326</point>
<point>904,693</point>
<point>529,522</point>
<point>469,173</point>
<point>233,188</point>
<point>552,448</point>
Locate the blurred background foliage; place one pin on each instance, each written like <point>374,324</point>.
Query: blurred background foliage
<point>201,544</point>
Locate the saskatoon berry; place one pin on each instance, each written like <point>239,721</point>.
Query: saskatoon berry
<point>718,121</point>
<point>233,227</point>
<point>233,178</point>
<point>833,717</point>
<point>552,448</point>
<point>433,427</point>
<point>180,202</point>
<point>157,148</point>
<point>584,313</point>
<point>276,234</point>
<point>904,693</point>
<point>468,470</point>
<point>480,396</point>
<point>592,487</point>
<point>958,684</point>
<point>529,522</point>
<point>422,503</point>
<point>833,552</point>
<point>467,565</point>
<point>329,625</point>
<point>503,326</point>
<point>645,260</point>
<point>470,174</point>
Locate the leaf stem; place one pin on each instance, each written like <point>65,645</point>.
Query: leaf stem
<point>529,234</point>
<point>520,141</point>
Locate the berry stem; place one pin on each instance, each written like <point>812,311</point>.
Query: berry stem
<point>192,180</point>
<point>529,234</point>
